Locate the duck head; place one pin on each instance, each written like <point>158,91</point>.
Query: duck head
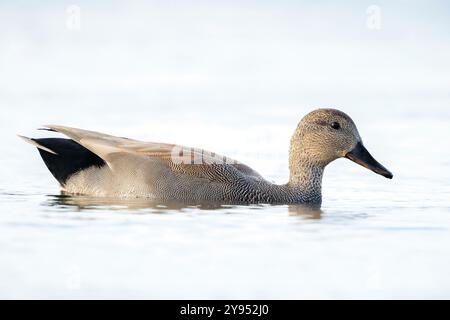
<point>325,135</point>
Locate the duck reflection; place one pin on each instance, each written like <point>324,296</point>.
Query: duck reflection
<point>306,212</point>
<point>85,203</point>
<point>112,203</point>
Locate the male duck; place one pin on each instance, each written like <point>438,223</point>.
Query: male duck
<point>92,163</point>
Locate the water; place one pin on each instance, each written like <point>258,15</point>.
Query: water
<point>204,76</point>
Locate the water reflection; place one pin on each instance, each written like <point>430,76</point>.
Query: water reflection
<point>306,212</point>
<point>85,203</point>
<point>107,203</point>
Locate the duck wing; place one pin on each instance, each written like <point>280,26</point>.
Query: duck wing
<point>191,161</point>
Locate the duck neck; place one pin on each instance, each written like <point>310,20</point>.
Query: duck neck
<point>305,179</point>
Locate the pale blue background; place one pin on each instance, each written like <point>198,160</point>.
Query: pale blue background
<point>234,77</point>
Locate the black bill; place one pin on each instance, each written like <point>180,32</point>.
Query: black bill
<point>361,156</point>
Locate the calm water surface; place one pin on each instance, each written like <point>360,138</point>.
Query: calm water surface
<point>372,238</point>
<point>235,82</point>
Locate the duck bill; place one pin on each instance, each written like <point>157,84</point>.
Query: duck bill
<point>361,156</point>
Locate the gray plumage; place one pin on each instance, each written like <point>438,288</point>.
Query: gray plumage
<point>170,172</point>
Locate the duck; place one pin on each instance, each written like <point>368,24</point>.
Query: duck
<point>96,164</point>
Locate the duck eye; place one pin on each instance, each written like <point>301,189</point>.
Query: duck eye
<point>335,125</point>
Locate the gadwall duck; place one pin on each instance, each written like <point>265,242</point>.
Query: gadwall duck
<point>96,164</point>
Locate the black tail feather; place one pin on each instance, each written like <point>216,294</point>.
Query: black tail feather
<point>69,159</point>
